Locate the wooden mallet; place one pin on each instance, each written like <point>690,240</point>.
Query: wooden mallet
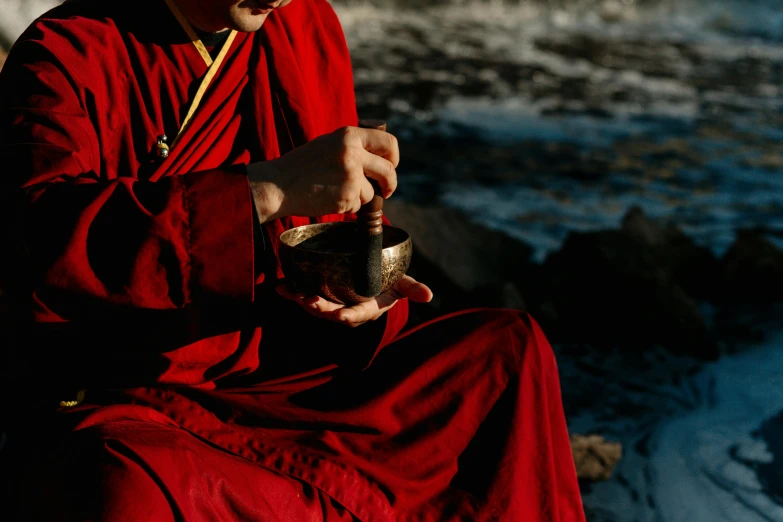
<point>369,241</point>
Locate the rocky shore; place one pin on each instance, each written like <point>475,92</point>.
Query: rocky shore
<point>641,286</point>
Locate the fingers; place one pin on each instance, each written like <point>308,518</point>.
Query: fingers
<point>366,193</point>
<point>313,304</point>
<point>361,313</point>
<point>408,287</point>
<point>354,192</point>
<point>322,306</point>
<point>354,316</point>
<point>381,144</point>
<point>382,170</point>
<point>365,153</point>
<point>353,199</point>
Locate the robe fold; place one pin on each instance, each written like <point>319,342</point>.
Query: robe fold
<point>144,281</point>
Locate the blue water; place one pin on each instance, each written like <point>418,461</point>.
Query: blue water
<point>674,106</point>
<point>541,120</point>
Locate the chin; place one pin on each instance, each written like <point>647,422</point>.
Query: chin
<point>248,16</point>
<point>247,22</point>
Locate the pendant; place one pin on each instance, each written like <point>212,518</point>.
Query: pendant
<point>79,400</point>
<point>161,148</point>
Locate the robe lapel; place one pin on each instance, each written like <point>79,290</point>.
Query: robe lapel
<point>204,142</point>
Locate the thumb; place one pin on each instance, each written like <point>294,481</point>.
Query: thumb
<point>413,290</point>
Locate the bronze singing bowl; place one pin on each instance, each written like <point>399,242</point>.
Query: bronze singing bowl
<point>318,260</point>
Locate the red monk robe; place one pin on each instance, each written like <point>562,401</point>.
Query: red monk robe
<point>140,280</point>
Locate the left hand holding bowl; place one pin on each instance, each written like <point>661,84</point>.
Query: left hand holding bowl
<point>357,315</point>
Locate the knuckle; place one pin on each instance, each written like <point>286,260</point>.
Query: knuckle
<point>346,158</point>
<point>391,173</point>
<point>351,163</point>
<point>350,203</point>
<point>347,134</point>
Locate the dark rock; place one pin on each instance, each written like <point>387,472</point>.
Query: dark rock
<point>740,324</point>
<point>465,264</point>
<point>610,288</point>
<point>505,295</point>
<point>3,56</point>
<point>623,287</point>
<point>694,268</point>
<point>752,271</point>
<point>770,472</point>
<point>470,255</point>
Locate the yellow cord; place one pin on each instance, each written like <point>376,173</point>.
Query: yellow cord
<point>202,50</point>
<point>212,66</point>
<point>213,69</point>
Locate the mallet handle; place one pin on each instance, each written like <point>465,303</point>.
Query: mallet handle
<point>370,234</point>
<point>371,214</point>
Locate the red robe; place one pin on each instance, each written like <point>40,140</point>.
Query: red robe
<point>141,281</point>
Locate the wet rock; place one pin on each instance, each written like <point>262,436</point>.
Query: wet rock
<point>503,295</point>
<point>595,457</point>
<point>694,268</point>
<point>610,288</point>
<point>631,287</point>
<point>471,255</point>
<point>752,271</point>
<point>770,471</point>
<point>465,264</point>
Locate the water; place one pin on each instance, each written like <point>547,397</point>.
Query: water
<point>16,15</point>
<point>699,443</point>
<point>541,120</point>
<point>544,117</point>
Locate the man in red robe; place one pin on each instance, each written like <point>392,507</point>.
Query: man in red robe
<point>152,153</point>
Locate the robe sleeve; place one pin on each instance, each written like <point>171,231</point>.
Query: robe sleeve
<point>79,242</point>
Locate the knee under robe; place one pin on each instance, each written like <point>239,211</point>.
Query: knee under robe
<point>458,419</point>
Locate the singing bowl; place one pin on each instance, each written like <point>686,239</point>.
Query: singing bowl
<point>318,260</point>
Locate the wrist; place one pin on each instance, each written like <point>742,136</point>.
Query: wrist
<point>265,190</point>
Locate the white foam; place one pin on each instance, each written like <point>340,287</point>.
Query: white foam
<point>702,451</point>
<point>692,458</point>
<point>16,15</point>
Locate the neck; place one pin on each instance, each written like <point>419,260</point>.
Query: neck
<point>199,16</point>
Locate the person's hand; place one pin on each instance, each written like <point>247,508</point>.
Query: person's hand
<point>406,288</point>
<point>327,175</point>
